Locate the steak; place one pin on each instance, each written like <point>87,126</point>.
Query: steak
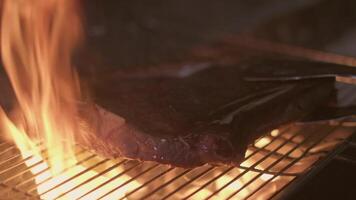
<point>206,117</point>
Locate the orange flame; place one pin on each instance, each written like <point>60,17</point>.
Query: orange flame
<point>38,38</point>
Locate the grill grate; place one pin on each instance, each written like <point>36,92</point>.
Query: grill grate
<point>272,163</point>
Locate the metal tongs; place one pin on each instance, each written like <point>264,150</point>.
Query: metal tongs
<point>298,70</point>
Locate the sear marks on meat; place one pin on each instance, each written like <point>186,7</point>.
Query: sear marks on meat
<point>208,117</point>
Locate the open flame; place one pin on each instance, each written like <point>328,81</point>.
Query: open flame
<point>37,41</point>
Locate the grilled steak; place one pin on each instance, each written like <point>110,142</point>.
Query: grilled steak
<point>209,116</point>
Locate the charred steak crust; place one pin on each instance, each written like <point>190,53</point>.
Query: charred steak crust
<point>208,117</point>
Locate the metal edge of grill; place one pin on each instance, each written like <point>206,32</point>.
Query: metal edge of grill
<point>292,187</point>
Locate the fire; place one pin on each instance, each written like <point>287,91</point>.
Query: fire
<point>38,38</point>
<point>37,41</point>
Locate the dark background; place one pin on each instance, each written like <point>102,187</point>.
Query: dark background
<point>136,32</point>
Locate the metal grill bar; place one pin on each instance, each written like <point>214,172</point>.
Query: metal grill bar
<point>255,164</point>
<point>21,163</point>
<point>167,183</point>
<point>18,155</point>
<point>34,188</point>
<point>149,181</point>
<point>17,187</point>
<point>288,166</point>
<point>77,175</point>
<point>108,181</point>
<point>209,182</point>
<point>187,183</point>
<point>29,167</point>
<point>245,168</point>
<point>268,172</point>
<point>8,188</point>
<point>270,167</point>
<point>7,150</point>
<point>94,177</point>
<point>241,167</point>
<point>48,168</point>
<point>128,181</point>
